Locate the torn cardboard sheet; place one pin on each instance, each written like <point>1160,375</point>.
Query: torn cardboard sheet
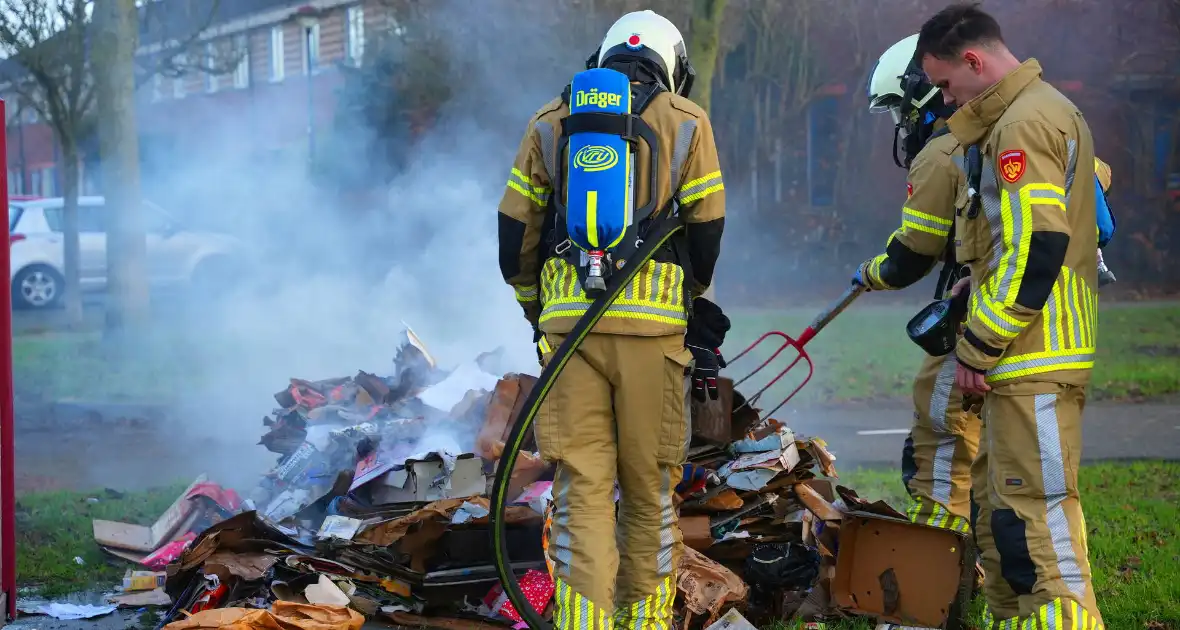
<point>386,533</point>
<point>707,585</point>
<point>432,477</point>
<point>155,597</point>
<point>340,527</point>
<point>285,615</point>
<point>899,571</point>
<point>816,503</point>
<point>506,400</point>
<point>732,620</point>
<point>147,539</point>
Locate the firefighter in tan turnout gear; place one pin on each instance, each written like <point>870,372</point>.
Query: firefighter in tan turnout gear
<point>1028,345</point>
<point>618,410</point>
<point>936,460</point>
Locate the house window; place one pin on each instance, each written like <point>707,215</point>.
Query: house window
<point>178,81</point>
<point>277,48</point>
<point>15,185</point>
<point>822,149</point>
<point>356,34</point>
<point>311,47</point>
<point>242,70</point>
<point>157,87</point>
<point>43,180</point>
<point>210,63</point>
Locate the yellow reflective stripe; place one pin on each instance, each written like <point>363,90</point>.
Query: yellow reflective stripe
<point>525,293</point>
<point>923,222</point>
<point>519,182</point>
<point>575,612</point>
<point>1059,332</point>
<point>537,199</point>
<point>524,180</point>
<point>1044,194</point>
<point>1041,363</point>
<point>1052,616</point>
<point>655,294</point>
<point>995,318</point>
<point>1017,230</point>
<point>700,188</point>
<point>873,271</point>
<point>653,611</point>
<point>543,344</point>
<point>939,516</point>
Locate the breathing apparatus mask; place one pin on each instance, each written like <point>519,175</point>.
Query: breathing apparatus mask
<point>914,114</point>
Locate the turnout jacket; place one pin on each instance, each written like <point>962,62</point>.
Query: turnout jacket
<point>688,180</point>
<point>936,182</point>
<point>1030,239</point>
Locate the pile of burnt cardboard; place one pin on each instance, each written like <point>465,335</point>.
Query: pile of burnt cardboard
<point>378,503</point>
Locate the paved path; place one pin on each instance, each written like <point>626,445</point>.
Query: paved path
<point>1109,431</point>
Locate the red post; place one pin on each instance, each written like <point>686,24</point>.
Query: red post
<point>7,413</point>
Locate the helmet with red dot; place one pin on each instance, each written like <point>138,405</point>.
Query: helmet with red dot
<point>647,47</point>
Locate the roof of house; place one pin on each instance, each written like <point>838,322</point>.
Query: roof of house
<point>164,20</point>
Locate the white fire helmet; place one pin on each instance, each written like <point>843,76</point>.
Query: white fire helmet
<point>651,36</point>
<point>894,76</point>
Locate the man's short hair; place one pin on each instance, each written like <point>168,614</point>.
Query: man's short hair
<point>954,28</point>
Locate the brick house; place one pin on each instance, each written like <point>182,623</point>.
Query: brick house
<point>278,91</point>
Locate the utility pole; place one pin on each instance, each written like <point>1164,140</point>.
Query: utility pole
<point>116,36</point>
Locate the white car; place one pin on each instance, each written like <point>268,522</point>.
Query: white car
<point>175,256</point>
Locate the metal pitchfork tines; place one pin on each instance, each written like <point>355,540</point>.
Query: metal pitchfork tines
<point>799,344</point>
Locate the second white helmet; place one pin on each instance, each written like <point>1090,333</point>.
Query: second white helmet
<point>896,77</point>
<point>646,36</point>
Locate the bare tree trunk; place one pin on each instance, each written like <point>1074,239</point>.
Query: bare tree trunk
<point>704,35</point>
<point>115,40</point>
<point>72,300</point>
<point>704,39</point>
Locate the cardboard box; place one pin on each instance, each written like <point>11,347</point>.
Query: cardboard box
<point>426,480</point>
<point>711,420</point>
<point>902,572</point>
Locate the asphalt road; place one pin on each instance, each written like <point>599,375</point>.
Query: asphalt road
<point>864,436</point>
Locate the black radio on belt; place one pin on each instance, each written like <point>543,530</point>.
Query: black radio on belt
<point>936,327</point>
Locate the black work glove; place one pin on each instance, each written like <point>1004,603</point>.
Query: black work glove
<point>707,363</point>
<point>708,324</point>
<point>705,335</point>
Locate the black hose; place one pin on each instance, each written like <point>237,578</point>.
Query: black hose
<point>524,421</point>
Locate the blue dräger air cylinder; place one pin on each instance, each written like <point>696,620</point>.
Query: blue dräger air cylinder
<point>598,188</point>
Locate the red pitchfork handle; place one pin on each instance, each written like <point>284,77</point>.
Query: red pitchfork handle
<point>824,318</point>
<point>818,324</point>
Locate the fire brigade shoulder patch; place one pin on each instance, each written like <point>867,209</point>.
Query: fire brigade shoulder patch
<point>1012,165</point>
<point>909,190</point>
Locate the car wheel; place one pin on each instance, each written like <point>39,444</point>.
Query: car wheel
<point>213,278</point>
<point>37,287</point>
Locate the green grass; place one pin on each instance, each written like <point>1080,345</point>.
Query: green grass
<point>865,355</point>
<point>1132,510</point>
<point>1133,515</point>
<point>56,366</point>
<point>53,528</point>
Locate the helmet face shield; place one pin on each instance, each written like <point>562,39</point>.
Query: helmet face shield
<point>902,130</point>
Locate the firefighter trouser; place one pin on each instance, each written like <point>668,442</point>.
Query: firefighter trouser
<point>617,411</point>
<point>1030,528</point>
<point>943,440</point>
